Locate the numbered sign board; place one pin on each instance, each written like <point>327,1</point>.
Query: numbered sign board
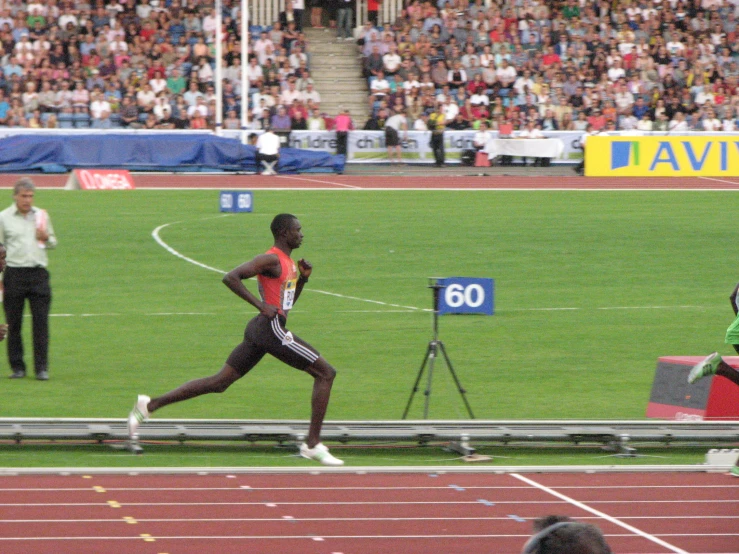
<point>466,295</point>
<point>236,201</point>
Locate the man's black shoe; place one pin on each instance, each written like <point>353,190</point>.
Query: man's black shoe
<point>18,374</point>
<point>42,376</point>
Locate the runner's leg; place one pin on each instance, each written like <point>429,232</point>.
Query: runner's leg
<point>214,383</point>
<point>323,374</point>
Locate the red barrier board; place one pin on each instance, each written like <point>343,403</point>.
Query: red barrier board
<point>100,179</point>
<point>672,397</point>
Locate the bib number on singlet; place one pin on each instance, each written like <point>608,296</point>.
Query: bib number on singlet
<point>288,294</point>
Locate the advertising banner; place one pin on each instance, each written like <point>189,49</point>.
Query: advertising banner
<point>100,179</point>
<point>369,146</point>
<point>662,156</point>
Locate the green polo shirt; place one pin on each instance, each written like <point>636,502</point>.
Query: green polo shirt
<point>18,234</point>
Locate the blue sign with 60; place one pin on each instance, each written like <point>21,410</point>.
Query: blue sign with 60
<point>466,295</point>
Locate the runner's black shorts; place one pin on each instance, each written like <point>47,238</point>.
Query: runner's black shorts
<point>269,336</point>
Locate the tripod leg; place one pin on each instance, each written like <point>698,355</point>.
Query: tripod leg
<point>456,380</point>
<point>418,380</point>
<point>427,392</point>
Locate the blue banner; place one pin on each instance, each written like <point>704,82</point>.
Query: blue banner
<point>466,295</point>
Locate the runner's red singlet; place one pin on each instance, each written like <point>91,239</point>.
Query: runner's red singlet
<point>280,291</point>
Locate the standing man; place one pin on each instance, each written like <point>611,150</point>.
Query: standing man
<point>437,123</point>
<point>268,150</point>
<point>3,255</point>
<point>281,281</point>
<point>394,124</point>
<point>27,234</point>
<point>343,124</point>
<point>345,24</point>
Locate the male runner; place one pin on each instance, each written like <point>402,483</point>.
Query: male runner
<point>280,283</point>
<point>715,365</point>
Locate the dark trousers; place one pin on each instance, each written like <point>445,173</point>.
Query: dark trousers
<point>437,145</point>
<point>267,158</point>
<point>341,141</point>
<point>30,283</point>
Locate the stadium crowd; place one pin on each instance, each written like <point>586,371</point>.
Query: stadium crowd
<point>664,65</point>
<point>647,65</point>
<point>146,64</point>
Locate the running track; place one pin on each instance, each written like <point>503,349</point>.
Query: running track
<point>366,513</point>
<point>361,513</point>
<point>413,182</point>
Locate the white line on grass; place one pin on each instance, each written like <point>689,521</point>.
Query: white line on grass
<point>156,235</point>
<point>593,511</point>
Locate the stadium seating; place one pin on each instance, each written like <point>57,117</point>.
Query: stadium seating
<point>580,57</point>
<point>74,44</point>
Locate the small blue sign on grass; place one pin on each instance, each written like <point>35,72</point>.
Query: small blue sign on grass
<point>236,201</point>
<point>466,295</point>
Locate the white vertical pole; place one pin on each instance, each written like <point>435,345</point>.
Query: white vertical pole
<point>219,68</point>
<point>244,65</point>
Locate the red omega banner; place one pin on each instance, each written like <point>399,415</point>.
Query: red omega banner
<point>100,179</point>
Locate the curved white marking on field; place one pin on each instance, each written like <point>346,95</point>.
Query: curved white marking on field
<point>156,234</point>
<point>168,248</point>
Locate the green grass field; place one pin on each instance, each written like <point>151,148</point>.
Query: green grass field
<point>591,287</point>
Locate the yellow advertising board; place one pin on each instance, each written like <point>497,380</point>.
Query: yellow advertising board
<point>662,156</point>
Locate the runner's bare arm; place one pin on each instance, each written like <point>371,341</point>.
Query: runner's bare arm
<point>305,268</point>
<point>264,264</point>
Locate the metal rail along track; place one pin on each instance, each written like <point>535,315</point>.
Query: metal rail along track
<point>459,434</point>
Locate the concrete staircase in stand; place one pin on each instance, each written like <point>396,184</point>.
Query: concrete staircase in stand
<point>337,70</point>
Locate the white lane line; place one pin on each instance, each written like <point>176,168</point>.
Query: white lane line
<point>340,185</point>
<point>719,180</point>
<point>366,488</point>
<point>263,519</point>
<point>312,537</point>
<point>566,500</point>
<point>605,516</point>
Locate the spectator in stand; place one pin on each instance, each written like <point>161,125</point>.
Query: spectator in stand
<point>298,122</point>
<point>231,121</point>
<point>280,121</point>
<point>316,122</point>
<point>711,123</point>
<point>146,98</point>
<point>80,98</point>
<point>100,111</point>
<point>129,115</point>
<point>345,19</point>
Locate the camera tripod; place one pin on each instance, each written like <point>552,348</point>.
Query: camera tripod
<point>432,352</point>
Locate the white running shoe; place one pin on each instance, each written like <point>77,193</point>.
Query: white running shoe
<point>138,415</point>
<point>320,453</point>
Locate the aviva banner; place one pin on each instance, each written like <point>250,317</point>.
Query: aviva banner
<point>662,156</point>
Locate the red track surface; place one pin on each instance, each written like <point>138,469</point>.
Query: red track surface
<point>361,513</point>
<point>338,182</point>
